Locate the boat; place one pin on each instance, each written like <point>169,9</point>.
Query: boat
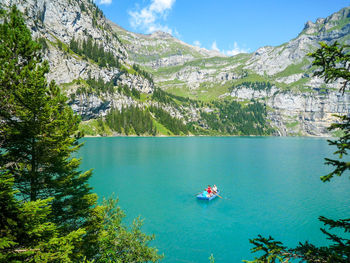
<point>202,197</point>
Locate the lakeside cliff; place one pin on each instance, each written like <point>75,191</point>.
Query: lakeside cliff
<point>181,89</point>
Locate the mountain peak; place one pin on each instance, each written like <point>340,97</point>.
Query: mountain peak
<point>309,27</point>
<point>343,13</point>
<point>336,21</point>
<point>160,34</point>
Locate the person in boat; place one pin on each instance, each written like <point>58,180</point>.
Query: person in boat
<point>209,191</point>
<point>214,189</point>
<point>205,193</point>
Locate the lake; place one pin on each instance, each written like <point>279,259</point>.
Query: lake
<point>269,185</point>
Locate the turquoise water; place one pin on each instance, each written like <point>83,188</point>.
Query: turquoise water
<point>270,186</point>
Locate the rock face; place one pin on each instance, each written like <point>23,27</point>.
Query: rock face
<point>299,113</point>
<point>298,104</point>
<point>160,49</point>
<point>58,22</point>
<point>92,106</point>
<point>272,60</point>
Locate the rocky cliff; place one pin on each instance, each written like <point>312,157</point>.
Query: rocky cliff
<point>194,78</point>
<point>296,112</point>
<point>299,104</point>
<point>55,24</point>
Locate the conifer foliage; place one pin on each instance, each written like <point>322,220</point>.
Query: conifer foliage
<point>234,118</point>
<point>38,129</point>
<point>48,211</point>
<point>91,49</point>
<point>131,120</point>
<point>26,234</point>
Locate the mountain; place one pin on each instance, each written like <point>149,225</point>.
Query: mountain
<point>98,54</point>
<point>298,103</point>
<point>121,82</point>
<point>159,49</point>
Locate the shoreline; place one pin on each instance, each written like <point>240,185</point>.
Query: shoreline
<point>188,136</point>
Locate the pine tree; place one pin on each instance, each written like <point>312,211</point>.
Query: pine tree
<point>37,131</point>
<point>73,45</point>
<point>88,50</point>
<point>26,233</point>
<point>38,128</point>
<point>48,212</point>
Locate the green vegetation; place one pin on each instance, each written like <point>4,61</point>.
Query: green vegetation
<point>181,91</point>
<point>299,85</point>
<point>334,62</point>
<point>149,121</point>
<point>209,91</point>
<point>233,118</point>
<point>338,133</point>
<point>172,99</point>
<point>161,129</point>
<point>253,85</point>
<point>48,210</point>
<point>128,69</point>
<point>131,121</point>
<point>294,69</point>
<point>43,43</point>
<point>149,53</point>
<point>162,96</point>
<point>95,127</point>
<point>206,92</point>
<point>174,125</point>
<point>143,73</point>
<point>292,124</point>
<point>99,87</point>
<point>229,118</point>
<point>93,86</point>
<point>91,49</point>
<point>216,63</point>
<point>124,89</point>
<point>169,70</point>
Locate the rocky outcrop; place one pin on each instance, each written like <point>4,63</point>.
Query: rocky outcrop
<point>325,25</point>
<point>160,49</point>
<point>298,104</point>
<point>66,68</point>
<point>272,60</point>
<point>299,113</point>
<point>90,106</point>
<point>136,82</point>
<point>58,22</point>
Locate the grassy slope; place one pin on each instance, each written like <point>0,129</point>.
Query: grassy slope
<point>207,91</point>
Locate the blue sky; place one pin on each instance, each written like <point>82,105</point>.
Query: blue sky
<point>230,26</point>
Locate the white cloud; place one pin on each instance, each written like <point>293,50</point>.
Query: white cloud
<point>197,43</point>
<point>147,18</point>
<point>236,50</point>
<point>104,2</point>
<point>214,46</point>
<point>160,6</point>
